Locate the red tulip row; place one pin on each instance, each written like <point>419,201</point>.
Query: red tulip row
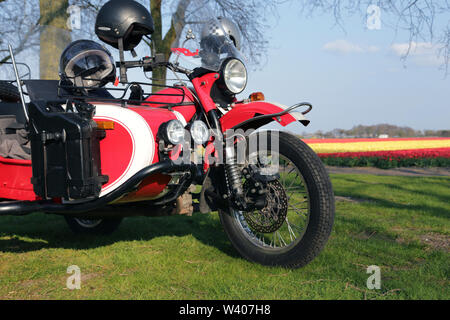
<point>383,153</point>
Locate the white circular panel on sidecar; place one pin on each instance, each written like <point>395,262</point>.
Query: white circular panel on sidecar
<point>143,150</point>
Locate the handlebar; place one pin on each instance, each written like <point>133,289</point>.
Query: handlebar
<point>148,64</point>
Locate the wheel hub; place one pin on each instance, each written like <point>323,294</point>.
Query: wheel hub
<point>273,215</point>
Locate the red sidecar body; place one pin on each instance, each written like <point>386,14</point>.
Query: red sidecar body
<point>129,145</point>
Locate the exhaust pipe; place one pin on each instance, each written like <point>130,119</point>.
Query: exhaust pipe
<point>21,208</point>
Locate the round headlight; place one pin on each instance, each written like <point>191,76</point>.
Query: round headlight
<point>235,76</point>
<point>174,132</point>
<point>199,132</point>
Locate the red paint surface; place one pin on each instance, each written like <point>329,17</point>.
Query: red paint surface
<point>311,141</point>
<point>186,52</point>
<point>149,188</point>
<point>116,155</point>
<point>15,179</point>
<point>120,143</point>
<point>116,152</point>
<point>154,185</point>
<point>243,112</point>
<point>186,111</point>
<point>154,117</point>
<point>170,96</point>
<point>203,86</point>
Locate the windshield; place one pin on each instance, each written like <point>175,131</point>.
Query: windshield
<point>203,41</point>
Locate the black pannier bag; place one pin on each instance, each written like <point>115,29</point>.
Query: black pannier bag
<point>65,151</point>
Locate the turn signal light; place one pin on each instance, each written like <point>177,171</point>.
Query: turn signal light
<point>257,96</point>
<point>105,125</point>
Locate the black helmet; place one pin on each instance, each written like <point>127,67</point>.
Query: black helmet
<point>85,63</point>
<point>124,19</point>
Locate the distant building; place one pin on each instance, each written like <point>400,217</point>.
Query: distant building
<point>383,136</point>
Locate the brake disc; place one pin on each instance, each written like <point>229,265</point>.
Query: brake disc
<point>272,217</point>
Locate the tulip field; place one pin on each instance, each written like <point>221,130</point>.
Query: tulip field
<point>383,153</point>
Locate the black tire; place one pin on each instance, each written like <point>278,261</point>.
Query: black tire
<point>8,92</point>
<point>93,227</point>
<point>321,212</point>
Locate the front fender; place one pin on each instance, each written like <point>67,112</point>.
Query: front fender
<point>257,114</point>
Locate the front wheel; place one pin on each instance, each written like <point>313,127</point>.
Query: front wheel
<point>296,222</point>
<point>93,227</point>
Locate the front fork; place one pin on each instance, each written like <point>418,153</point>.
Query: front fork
<point>233,174</point>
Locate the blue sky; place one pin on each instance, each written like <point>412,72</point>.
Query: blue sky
<point>352,77</point>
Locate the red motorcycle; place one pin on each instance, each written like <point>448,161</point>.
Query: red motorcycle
<point>77,148</point>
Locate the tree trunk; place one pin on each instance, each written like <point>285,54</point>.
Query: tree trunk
<point>159,75</point>
<point>55,36</point>
<point>164,45</point>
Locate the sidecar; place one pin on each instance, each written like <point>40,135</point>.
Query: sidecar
<point>83,154</point>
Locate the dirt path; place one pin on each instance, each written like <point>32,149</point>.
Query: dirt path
<point>406,172</point>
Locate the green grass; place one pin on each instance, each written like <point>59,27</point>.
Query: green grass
<point>386,163</point>
<point>400,224</point>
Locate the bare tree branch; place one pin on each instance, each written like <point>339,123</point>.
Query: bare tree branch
<point>417,17</point>
<point>20,21</point>
<point>249,15</point>
<point>20,26</point>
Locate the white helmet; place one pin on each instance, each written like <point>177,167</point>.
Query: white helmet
<point>225,25</point>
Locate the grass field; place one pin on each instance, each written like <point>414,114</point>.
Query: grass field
<point>401,224</point>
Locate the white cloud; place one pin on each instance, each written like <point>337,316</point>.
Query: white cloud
<point>372,49</point>
<point>415,48</point>
<point>346,47</point>
<point>421,53</point>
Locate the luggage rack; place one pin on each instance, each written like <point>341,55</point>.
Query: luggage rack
<point>88,94</point>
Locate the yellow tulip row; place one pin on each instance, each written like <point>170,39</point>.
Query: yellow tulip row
<point>378,145</point>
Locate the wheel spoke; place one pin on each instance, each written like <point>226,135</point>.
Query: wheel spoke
<point>286,174</point>
<point>300,202</point>
<point>293,181</point>
<point>294,188</point>
<point>261,238</point>
<point>281,238</point>
<point>272,243</point>
<point>291,232</point>
<point>297,227</point>
<point>276,226</point>
<point>297,210</point>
